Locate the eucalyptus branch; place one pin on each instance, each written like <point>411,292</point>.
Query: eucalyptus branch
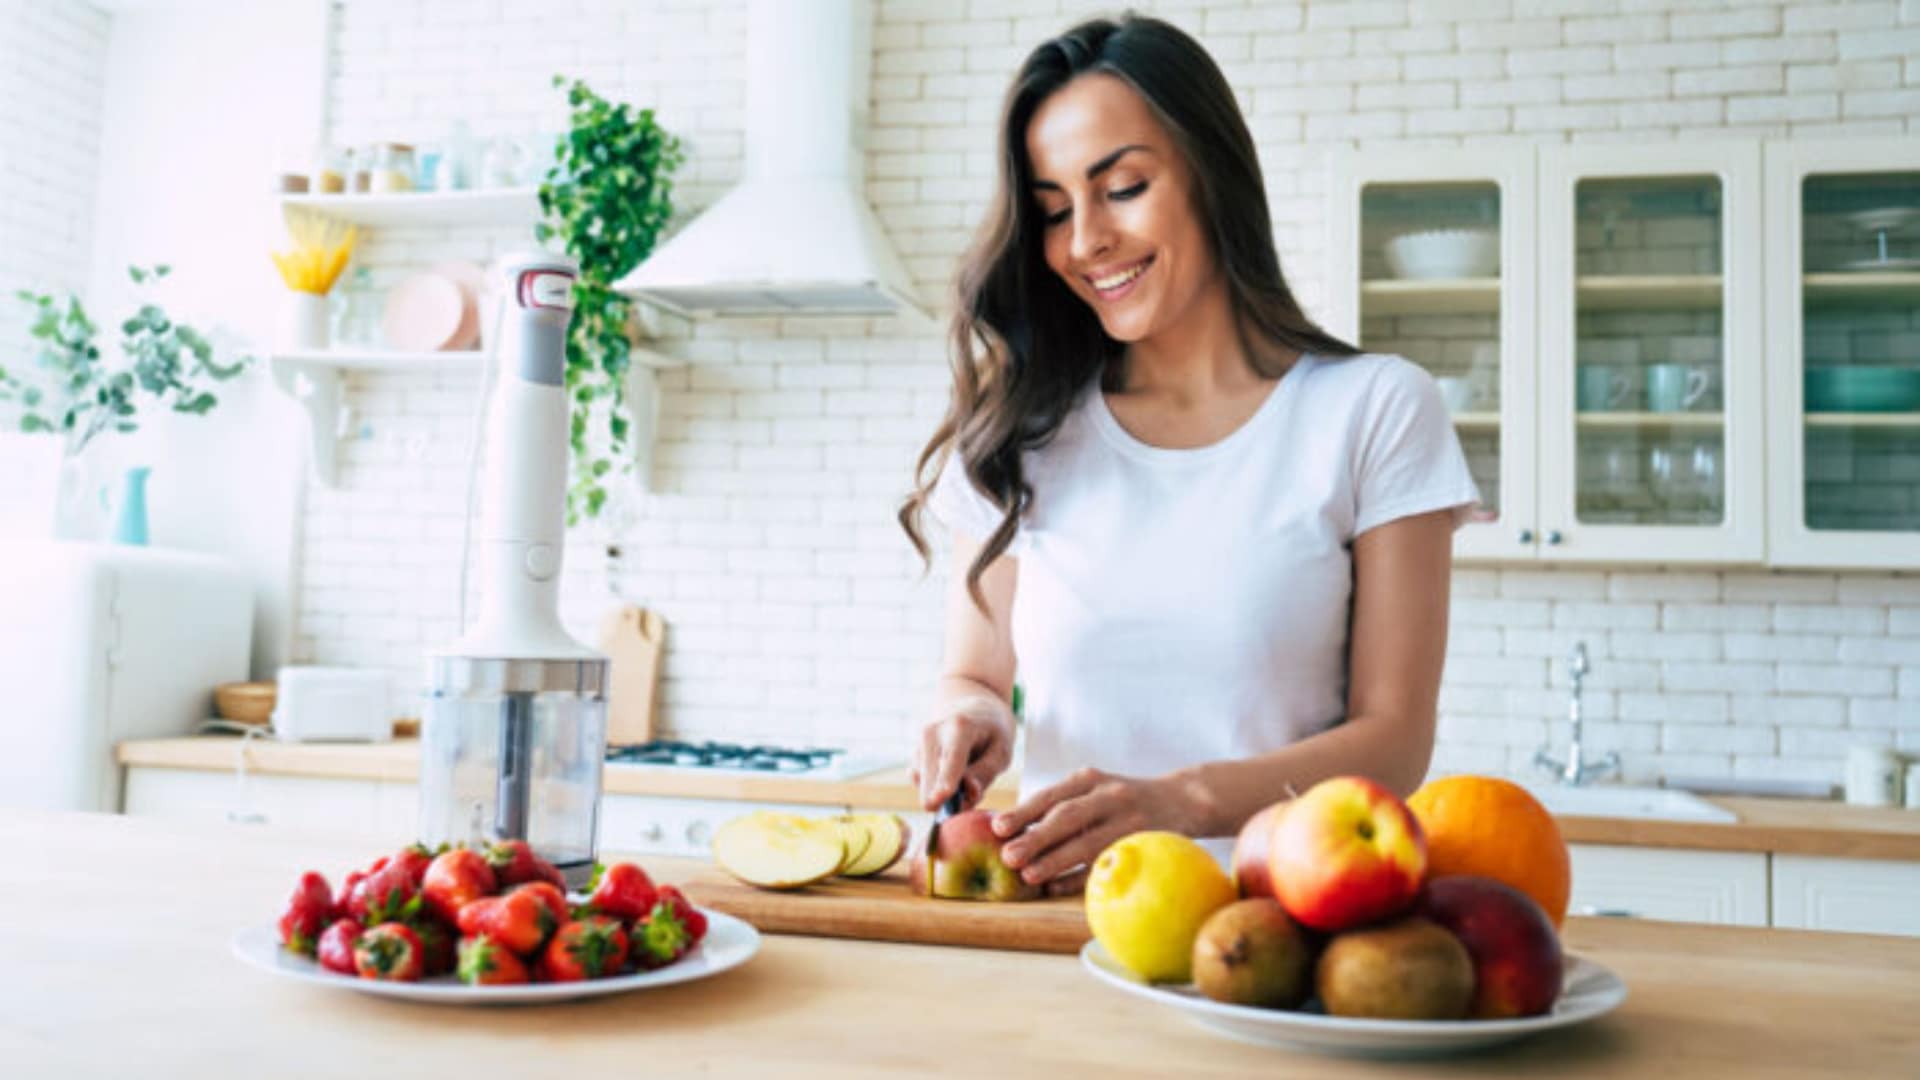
<point>78,396</point>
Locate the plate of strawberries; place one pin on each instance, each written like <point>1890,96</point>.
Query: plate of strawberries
<point>492,925</point>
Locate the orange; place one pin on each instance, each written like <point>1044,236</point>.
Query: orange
<point>1492,827</point>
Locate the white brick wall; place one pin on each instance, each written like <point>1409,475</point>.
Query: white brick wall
<point>796,610</point>
<point>53,56</point>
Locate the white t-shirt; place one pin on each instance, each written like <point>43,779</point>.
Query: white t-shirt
<point>1181,606</point>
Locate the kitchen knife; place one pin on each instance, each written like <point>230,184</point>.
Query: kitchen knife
<point>954,804</point>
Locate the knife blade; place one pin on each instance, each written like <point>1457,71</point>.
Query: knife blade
<point>954,804</point>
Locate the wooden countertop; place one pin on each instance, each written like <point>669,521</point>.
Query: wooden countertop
<point>1788,826</point>
<point>131,973</point>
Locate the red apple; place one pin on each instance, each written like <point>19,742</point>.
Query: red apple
<point>1347,852</point>
<point>1515,951</point>
<point>967,863</point>
<point>1250,850</point>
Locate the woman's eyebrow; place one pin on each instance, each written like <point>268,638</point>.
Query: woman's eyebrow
<point>1097,167</point>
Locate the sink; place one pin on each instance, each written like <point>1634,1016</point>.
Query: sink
<point>1612,800</point>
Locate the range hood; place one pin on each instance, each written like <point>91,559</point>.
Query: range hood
<point>796,237</point>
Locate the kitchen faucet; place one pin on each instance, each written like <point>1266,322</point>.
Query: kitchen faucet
<point>1577,769</point>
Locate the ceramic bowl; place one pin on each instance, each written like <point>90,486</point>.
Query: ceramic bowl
<point>1862,388</point>
<point>1445,253</point>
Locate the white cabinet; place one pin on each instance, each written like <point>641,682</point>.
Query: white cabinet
<point>1605,377</point>
<point>1843,353</point>
<point>1864,896</point>
<point>367,807</point>
<point>1679,885</point>
<point>1472,325</point>
<point>1691,352</point>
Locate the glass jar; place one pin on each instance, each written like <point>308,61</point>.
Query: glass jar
<point>327,173</point>
<point>356,312</point>
<point>359,169</point>
<point>392,168</point>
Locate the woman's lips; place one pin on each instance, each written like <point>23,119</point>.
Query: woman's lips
<point>1127,279</point>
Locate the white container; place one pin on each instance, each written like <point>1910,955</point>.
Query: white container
<point>1873,776</point>
<point>306,320</point>
<point>1913,785</point>
<point>331,704</point>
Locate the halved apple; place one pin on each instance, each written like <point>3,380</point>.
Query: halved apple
<point>778,851</point>
<point>889,842</point>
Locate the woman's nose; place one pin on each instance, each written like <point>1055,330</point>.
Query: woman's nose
<point>1092,235</point>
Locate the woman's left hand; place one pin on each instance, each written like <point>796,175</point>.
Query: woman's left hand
<point>1070,823</point>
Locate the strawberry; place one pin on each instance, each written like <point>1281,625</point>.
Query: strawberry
<point>386,894</point>
<point>585,949</point>
<point>519,920</point>
<point>486,962</point>
<point>436,944</point>
<point>414,858</point>
<point>336,946</point>
<point>453,879</point>
<point>514,863</point>
<point>309,910</point>
<point>388,951</point>
<point>548,894</point>
<point>623,891</point>
<point>669,931</point>
<point>693,917</point>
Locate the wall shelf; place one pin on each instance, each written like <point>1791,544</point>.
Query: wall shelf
<point>1909,420</point>
<point>422,209</point>
<point>1441,296</point>
<point>1477,421</point>
<point>1863,289</point>
<point>313,378</point>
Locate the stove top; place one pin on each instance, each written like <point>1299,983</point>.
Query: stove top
<point>806,763</point>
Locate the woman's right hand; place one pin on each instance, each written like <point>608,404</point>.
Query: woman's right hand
<point>965,747</point>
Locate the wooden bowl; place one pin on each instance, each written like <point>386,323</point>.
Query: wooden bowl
<point>244,702</point>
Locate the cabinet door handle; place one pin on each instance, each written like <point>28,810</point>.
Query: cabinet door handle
<point>1526,536</point>
<point>1554,537</point>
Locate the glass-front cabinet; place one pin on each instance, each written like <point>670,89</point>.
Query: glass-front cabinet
<point>1651,367</point>
<point>1433,258</point>
<point>1843,336</point>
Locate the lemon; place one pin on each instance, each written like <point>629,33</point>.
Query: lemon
<point>1148,895</point>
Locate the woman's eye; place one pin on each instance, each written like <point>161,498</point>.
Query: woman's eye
<point>1059,216</point>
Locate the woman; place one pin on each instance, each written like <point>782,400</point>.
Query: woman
<point>1229,532</point>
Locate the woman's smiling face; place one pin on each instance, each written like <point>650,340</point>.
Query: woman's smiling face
<point>1116,206</point>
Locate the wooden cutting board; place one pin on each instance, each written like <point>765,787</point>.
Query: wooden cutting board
<point>633,639</point>
<point>884,908</point>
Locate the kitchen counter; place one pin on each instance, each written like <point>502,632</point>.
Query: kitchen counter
<point>1788,826</point>
<point>117,931</point>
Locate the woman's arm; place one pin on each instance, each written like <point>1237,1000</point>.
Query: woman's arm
<point>969,739</point>
<point>1395,649</point>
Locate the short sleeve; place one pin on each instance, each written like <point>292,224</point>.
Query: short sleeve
<point>960,506</point>
<point>1410,461</point>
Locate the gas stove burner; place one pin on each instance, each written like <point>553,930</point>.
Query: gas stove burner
<point>718,755</point>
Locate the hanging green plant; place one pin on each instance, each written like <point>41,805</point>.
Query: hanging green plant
<point>607,196</point>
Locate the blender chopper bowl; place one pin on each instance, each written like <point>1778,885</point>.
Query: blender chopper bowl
<point>515,726</point>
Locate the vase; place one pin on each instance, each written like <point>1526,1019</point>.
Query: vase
<point>306,320</point>
<point>130,516</point>
<point>80,504</point>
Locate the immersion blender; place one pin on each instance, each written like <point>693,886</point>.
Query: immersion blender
<point>515,729</point>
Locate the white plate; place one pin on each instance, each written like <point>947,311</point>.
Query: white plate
<point>1590,991</point>
<point>729,943</point>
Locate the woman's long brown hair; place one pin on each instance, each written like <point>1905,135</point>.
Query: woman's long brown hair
<point>1023,345</point>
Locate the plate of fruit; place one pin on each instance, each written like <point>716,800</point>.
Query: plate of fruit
<point>492,926</point>
<point>1355,923</point>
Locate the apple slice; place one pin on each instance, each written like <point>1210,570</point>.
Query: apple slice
<point>889,842</point>
<point>854,835</point>
<point>778,851</point>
